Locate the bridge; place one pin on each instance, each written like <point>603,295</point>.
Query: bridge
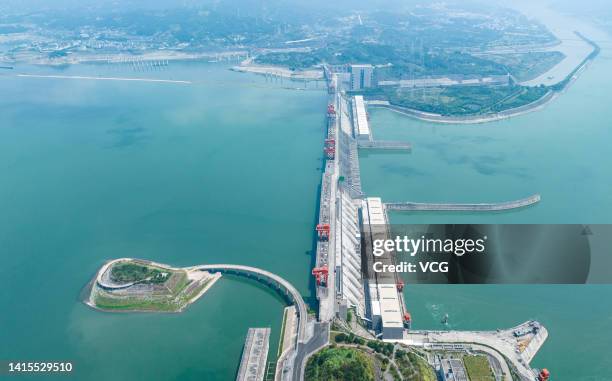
<point>484,207</point>
<point>284,287</point>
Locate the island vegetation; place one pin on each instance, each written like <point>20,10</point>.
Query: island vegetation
<point>133,272</point>
<point>134,285</point>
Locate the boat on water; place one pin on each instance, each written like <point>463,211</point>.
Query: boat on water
<point>445,319</point>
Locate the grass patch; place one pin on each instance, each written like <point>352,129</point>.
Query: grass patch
<point>148,294</point>
<point>464,100</point>
<point>414,367</point>
<point>525,66</point>
<point>478,368</point>
<point>136,304</point>
<point>282,335</point>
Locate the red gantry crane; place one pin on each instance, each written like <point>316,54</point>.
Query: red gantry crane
<point>544,375</point>
<point>330,148</point>
<point>323,231</point>
<point>320,274</point>
<point>331,110</point>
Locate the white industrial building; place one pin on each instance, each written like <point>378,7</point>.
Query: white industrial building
<point>362,76</point>
<point>349,282</point>
<point>362,126</point>
<point>385,303</point>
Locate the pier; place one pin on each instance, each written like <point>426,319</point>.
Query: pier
<point>481,207</point>
<point>254,355</point>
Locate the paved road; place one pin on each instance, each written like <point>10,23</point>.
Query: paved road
<point>319,339</point>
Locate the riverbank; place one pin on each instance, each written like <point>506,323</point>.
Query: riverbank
<point>556,88</point>
<point>278,71</point>
<point>551,95</point>
<point>132,285</point>
<point>169,194</point>
<point>468,119</point>
<point>125,57</point>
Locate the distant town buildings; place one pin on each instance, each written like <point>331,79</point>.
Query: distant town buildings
<point>361,76</point>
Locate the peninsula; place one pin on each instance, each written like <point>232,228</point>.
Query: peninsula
<point>128,284</point>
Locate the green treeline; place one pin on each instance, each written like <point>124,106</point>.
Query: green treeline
<point>338,363</point>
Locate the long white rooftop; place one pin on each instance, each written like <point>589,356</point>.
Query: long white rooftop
<point>376,214</point>
<point>385,300</point>
<point>363,127</point>
<point>390,311</point>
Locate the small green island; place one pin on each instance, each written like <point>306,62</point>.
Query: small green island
<point>136,285</point>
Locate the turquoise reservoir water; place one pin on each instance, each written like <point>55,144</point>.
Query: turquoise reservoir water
<point>224,170</point>
<point>561,152</point>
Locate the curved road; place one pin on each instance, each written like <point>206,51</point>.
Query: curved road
<point>272,278</point>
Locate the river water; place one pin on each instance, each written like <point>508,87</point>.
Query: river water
<point>561,152</point>
<point>224,170</point>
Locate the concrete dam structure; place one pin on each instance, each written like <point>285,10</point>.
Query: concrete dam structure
<point>480,207</point>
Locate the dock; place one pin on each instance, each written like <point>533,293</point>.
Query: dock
<point>254,355</point>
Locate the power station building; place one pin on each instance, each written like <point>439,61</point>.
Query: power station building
<point>385,304</point>
<point>362,76</point>
<point>362,127</point>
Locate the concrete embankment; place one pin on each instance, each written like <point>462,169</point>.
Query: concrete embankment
<point>414,206</point>
<point>278,71</point>
<point>470,119</point>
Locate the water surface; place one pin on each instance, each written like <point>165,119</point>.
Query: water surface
<point>224,170</point>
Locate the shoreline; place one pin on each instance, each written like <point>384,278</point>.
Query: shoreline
<point>125,58</point>
<point>536,105</point>
<point>280,71</point>
<point>153,80</point>
<point>471,119</point>
<point>211,279</point>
